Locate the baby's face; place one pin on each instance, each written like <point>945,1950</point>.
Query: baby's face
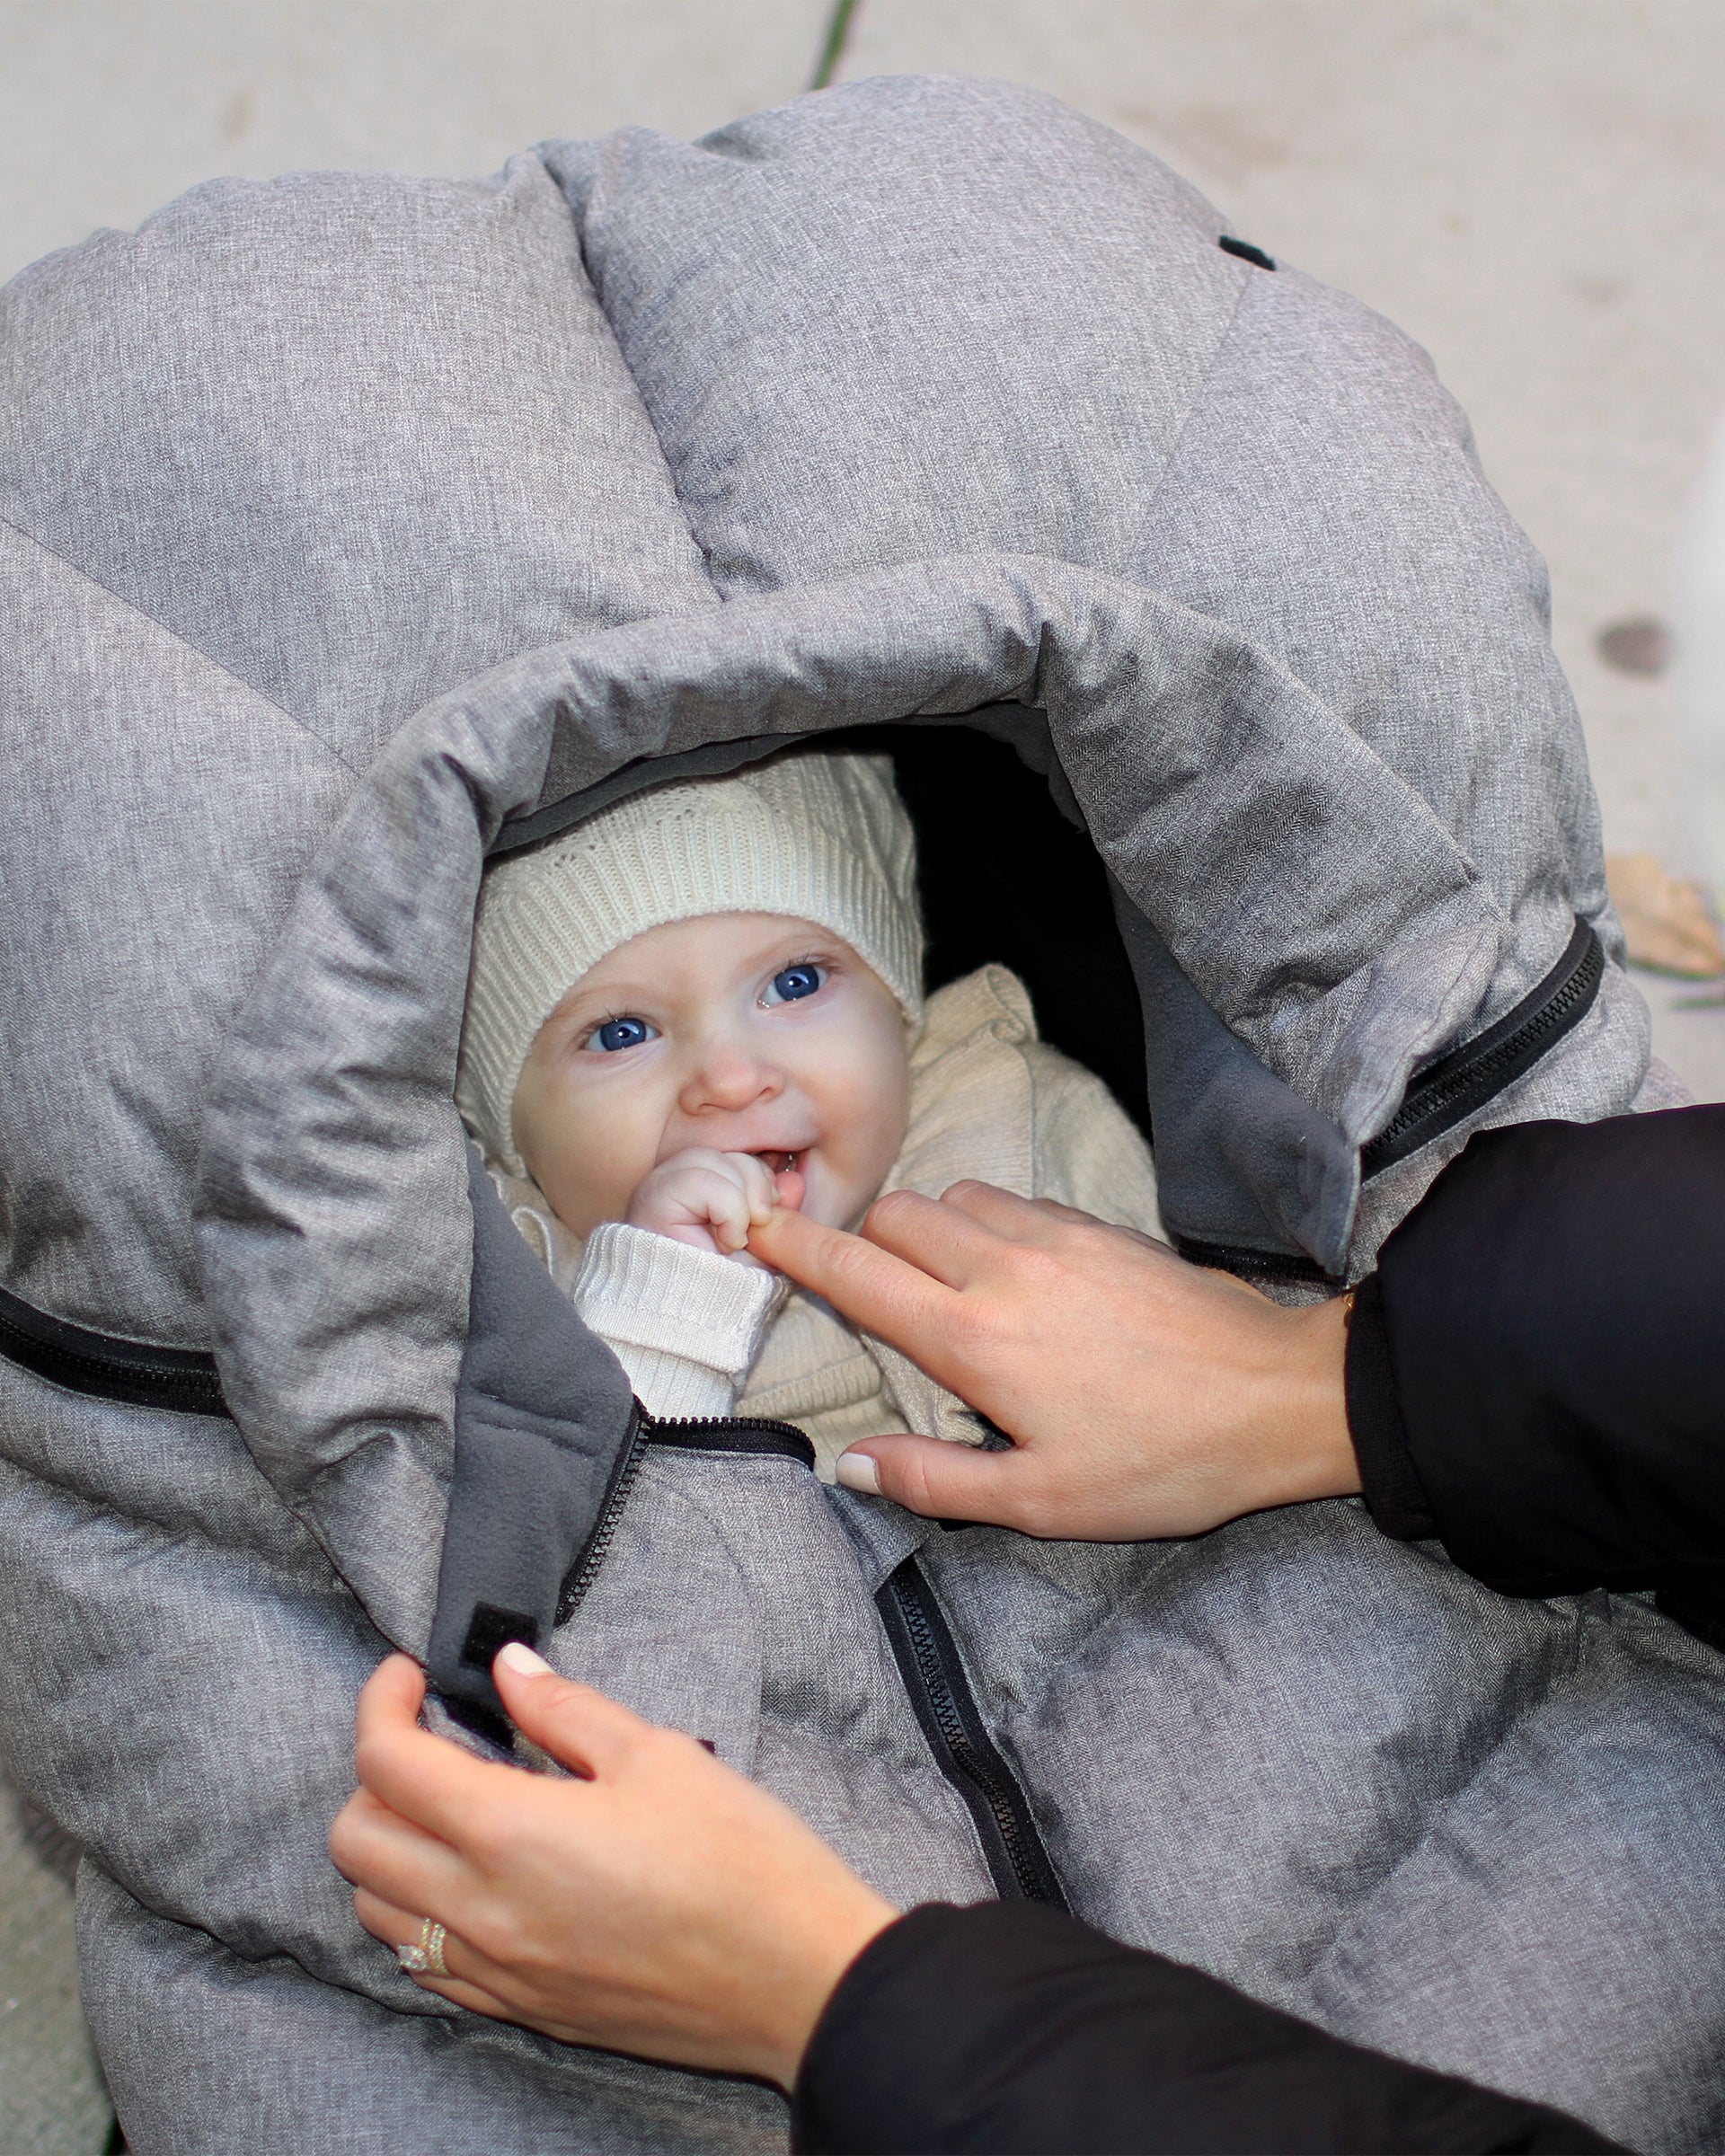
<point>742,1032</point>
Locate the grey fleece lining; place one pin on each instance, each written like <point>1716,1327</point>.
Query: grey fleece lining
<point>542,1415</point>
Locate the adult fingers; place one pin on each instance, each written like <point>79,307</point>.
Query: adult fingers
<point>394,1691</point>
<point>592,1734</point>
<point>941,1240</point>
<point>940,1480</point>
<point>470,1976</point>
<point>1051,1208</point>
<point>1045,1223</point>
<point>866,1285</point>
<point>425,1778</point>
<point>1008,1218</point>
<point>397,1926</point>
<point>1039,1221</point>
<point>375,1847</point>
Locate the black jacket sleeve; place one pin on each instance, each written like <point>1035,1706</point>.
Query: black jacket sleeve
<point>1009,2028</point>
<point>1536,1372</point>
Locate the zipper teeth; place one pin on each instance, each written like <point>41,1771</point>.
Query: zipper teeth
<point>575,1589</point>
<point>162,1375</point>
<point>957,1739</point>
<point>646,1426</point>
<point>724,1422</point>
<point>937,1686</point>
<point>1247,1264</point>
<point>939,1693</point>
<point>1445,1090</point>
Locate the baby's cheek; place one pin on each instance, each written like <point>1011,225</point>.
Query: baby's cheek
<point>876,1120</point>
<point>591,1167</point>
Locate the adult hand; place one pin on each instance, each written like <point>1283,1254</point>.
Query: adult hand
<point>1146,1396</point>
<point>660,1904</point>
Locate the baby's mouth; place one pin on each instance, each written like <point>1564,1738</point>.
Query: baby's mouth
<point>780,1163</point>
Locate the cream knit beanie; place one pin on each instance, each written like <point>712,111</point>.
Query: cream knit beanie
<point>812,835</point>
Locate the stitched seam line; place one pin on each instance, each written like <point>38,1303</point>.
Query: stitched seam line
<point>720,598</point>
<point>184,643</point>
<point>1199,399</point>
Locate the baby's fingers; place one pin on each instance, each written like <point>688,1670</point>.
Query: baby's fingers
<point>759,1189</point>
<point>728,1210</point>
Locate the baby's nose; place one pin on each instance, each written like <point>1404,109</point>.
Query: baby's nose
<point>726,1077</point>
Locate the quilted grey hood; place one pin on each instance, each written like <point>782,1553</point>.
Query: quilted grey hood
<point>334,1187</point>
<point>300,459</point>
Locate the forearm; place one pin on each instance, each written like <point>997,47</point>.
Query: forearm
<point>1537,1374</point>
<point>1007,2028</point>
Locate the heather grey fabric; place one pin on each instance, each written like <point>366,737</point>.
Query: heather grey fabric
<point>135,911</point>
<point>1016,334</point>
<point>351,526</point>
<point>345,1053</point>
<point>295,2065</point>
<point>383,400</point>
<point>985,338</point>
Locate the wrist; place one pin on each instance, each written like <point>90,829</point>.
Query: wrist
<point>811,1971</point>
<point>675,1225</point>
<point>1312,1452</point>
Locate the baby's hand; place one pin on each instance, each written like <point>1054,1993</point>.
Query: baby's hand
<point>709,1200</point>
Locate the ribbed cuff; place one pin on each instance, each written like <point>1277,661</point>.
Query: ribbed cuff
<point>1394,1495</point>
<point>685,1323</point>
<point>674,1390</point>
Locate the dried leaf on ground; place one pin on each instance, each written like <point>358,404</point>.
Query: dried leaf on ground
<point>1667,920</point>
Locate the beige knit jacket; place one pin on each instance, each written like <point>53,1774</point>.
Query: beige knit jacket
<point>989,1101</point>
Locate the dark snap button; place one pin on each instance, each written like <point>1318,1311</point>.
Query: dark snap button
<point>1245,251</point>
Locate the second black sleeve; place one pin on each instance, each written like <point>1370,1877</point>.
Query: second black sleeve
<point>1011,2029</point>
<point>1537,1374</point>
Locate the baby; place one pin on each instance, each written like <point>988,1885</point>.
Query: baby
<point>708,1001</point>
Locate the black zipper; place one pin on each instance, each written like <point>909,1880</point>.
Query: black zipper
<point>186,1382</point>
<point>933,1675</point>
<point>706,1434</point>
<point>1451,1088</point>
<point>581,1575</point>
<point>921,1643</point>
<point>730,1434</point>
<point>1255,1265</point>
<point>1446,1091</point>
<point>179,1379</point>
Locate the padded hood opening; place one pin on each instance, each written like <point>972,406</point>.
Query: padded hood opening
<point>1293,974</point>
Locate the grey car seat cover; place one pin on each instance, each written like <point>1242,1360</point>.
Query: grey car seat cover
<point>355,528</point>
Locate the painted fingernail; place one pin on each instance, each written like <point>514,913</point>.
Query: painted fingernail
<point>857,1471</point>
<point>523,1661</point>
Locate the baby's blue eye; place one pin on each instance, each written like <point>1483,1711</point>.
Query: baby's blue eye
<point>621,1033</point>
<point>794,983</point>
